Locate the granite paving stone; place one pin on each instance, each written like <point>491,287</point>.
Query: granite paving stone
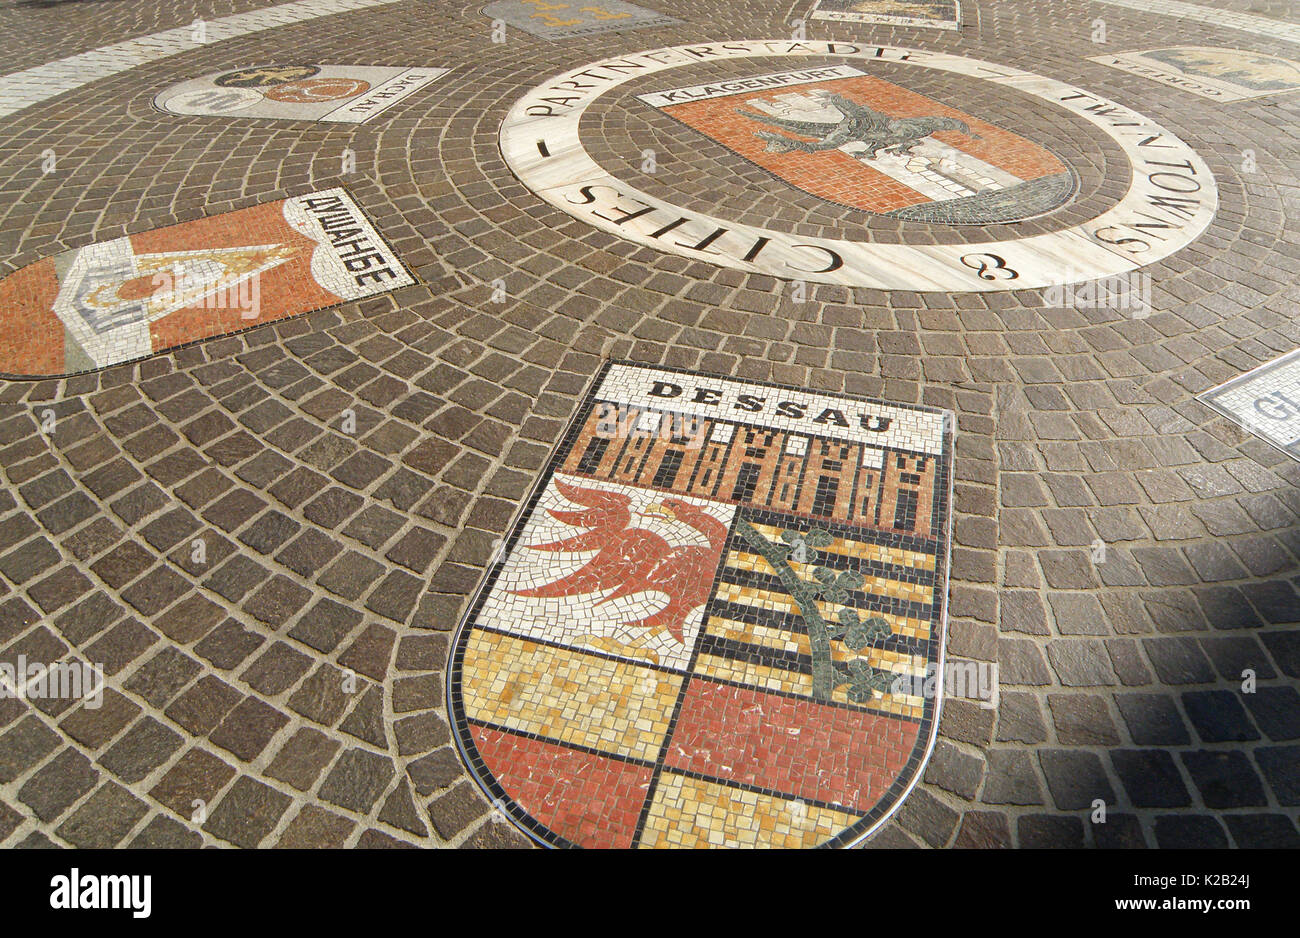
<point>1119,832</point>
<point>1225,779</point>
<point>1075,778</point>
<point>268,537</point>
<point>1175,832</point>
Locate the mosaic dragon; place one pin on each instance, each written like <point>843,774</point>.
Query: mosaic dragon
<point>860,124</point>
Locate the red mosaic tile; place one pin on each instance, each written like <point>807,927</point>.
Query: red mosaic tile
<point>587,799</point>
<point>797,747</point>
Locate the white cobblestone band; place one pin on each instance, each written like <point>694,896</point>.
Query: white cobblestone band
<point>22,89</point>
<point>1260,25</point>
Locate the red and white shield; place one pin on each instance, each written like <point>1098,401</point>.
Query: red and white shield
<point>869,144</point>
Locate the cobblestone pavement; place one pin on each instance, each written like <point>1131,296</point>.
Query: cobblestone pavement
<point>1119,551</point>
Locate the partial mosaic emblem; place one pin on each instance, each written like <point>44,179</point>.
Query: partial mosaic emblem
<point>1264,401</point>
<point>1219,74</point>
<point>866,143</point>
<point>132,297</point>
<point>830,124</point>
<point>350,94</point>
<point>939,14</point>
<point>550,20</point>
<point>712,623</point>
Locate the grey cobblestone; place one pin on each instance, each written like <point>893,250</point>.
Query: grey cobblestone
<point>328,555</point>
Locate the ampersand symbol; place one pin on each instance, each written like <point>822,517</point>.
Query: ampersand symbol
<point>987,266</point>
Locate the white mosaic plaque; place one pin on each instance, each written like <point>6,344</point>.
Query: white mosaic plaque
<point>1217,74</point>
<point>1264,401</point>
<point>350,94</point>
<point>935,14</point>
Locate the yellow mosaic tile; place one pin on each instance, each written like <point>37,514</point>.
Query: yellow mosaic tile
<point>690,813</point>
<point>612,706</point>
<point>769,637</point>
<point>754,675</point>
<point>880,553</point>
<point>794,682</point>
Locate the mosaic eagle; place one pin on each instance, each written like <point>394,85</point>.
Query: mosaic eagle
<point>631,560</point>
<point>860,124</point>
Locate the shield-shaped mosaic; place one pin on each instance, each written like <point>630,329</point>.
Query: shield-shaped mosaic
<point>550,20</point>
<point>866,143</point>
<point>1218,74</point>
<point>712,622</point>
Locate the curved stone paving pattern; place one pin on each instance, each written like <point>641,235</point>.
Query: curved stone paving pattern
<point>324,551</point>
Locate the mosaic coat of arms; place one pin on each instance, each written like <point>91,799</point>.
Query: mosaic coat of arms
<point>135,296</point>
<point>869,144</point>
<point>1218,74</point>
<point>349,94</point>
<point>558,20</point>
<point>711,623</point>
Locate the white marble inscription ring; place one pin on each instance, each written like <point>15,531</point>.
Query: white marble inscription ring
<point>895,153</point>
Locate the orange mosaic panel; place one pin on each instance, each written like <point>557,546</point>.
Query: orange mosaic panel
<point>120,300</point>
<point>588,799</point>
<point>761,740</point>
<point>836,175</point>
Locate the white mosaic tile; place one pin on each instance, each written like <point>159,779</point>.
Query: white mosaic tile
<point>600,618</point>
<point>1264,401</point>
<point>790,410</point>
